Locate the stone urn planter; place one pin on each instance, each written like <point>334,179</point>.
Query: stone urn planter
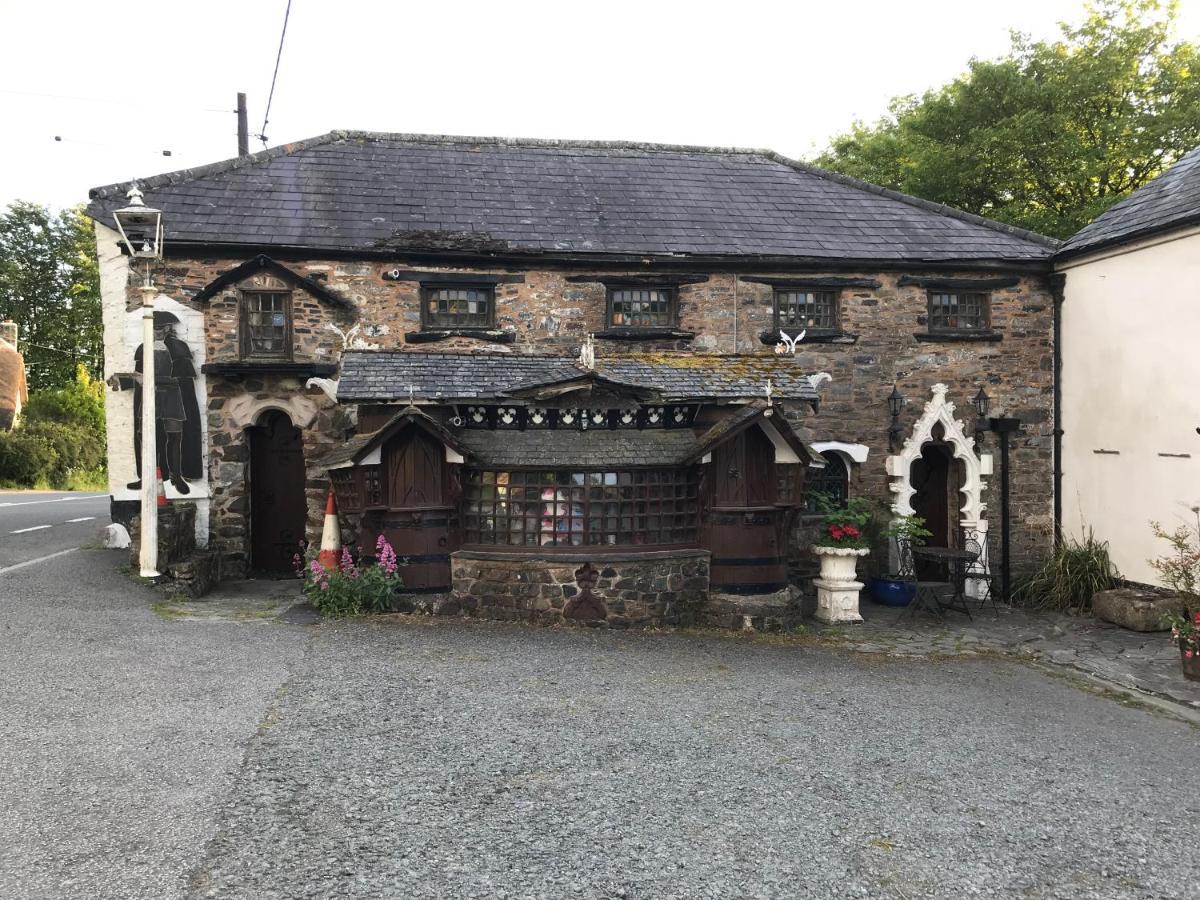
<point>837,585</point>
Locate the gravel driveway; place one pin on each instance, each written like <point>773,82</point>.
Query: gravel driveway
<point>482,760</point>
<point>150,757</point>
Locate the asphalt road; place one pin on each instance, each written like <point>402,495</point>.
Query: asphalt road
<point>34,524</point>
<point>226,755</point>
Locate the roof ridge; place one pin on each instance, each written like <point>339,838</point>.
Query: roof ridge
<point>184,175</point>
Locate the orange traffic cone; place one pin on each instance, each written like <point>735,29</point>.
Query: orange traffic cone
<point>162,491</point>
<point>331,537</point>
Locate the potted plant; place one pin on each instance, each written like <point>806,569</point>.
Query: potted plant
<point>1179,570</point>
<point>840,542</point>
<point>894,589</point>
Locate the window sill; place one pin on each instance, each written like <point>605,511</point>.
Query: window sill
<point>621,333</point>
<point>431,335</point>
<point>771,338</point>
<point>952,337</point>
<point>269,367</point>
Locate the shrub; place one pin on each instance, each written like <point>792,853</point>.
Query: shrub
<point>355,587</point>
<point>79,403</point>
<point>1180,569</point>
<point>25,459</point>
<point>1076,571</point>
<point>76,447</point>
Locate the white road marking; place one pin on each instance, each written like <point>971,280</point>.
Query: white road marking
<point>80,519</point>
<point>30,562</point>
<point>57,500</point>
<point>27,530</point>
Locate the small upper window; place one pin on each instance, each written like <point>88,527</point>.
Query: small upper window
<point>641,307</point>
<point>958,311</point>
<point>267,324</point>
<point>806,310</point>
<point>459,307</point>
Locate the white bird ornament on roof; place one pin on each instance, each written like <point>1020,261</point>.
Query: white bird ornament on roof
<point>788,344</point>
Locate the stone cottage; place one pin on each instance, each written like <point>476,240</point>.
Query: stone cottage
<point>547,370</point>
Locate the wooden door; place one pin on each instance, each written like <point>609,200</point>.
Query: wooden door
<point>937,480</point>
<point>278,511</point>
<point>414,469</point>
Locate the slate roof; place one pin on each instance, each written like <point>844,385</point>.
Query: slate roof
<point>364,191</point>
<point>384,376</point>
<point>592,449</point>
<point>1169,201</point>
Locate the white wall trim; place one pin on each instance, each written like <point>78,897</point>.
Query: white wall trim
<point>855,453</point>
<point>899,467</point>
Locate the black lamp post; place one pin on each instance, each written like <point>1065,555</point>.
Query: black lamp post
<point>895,402</point>
<point>1003,427</point>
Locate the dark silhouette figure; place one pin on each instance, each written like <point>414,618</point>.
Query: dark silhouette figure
<point>177,415</point>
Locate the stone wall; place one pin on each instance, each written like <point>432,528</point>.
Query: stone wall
<point>613,590</point>
<point>546,312</point>
<point>234,406</point>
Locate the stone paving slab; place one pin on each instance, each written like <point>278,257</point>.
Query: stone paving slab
<point>1146,662</point>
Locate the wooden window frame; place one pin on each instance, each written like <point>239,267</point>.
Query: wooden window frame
<point>835,297</point>
<point>623,500</point>
<point>672,295</point>
<point>429,290</point>
<point>246,340</point>
<point>985,315</point>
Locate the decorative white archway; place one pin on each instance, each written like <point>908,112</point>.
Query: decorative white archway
<point>975,468</point>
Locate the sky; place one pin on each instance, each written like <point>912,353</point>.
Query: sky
<point>92,92</point>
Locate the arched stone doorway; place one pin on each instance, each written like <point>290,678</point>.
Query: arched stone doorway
<point>278,509</point>
<point>951,452</point>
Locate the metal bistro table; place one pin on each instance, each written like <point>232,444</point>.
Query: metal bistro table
<point>955,563</point>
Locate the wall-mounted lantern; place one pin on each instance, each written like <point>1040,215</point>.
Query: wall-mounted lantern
<point>895,402</point>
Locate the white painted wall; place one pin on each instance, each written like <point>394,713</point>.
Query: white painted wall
<point>1131,384</point>
<point>122,335</point>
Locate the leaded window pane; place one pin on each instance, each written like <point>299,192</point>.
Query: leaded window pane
<point>266,324</point>
<point>833,481</point>
<point>640,308</point>
<point>816,310</point>
<point>958,311</point>
<point>465,307</point>
<point>573,509</point>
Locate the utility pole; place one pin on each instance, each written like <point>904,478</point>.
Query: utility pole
<point>243,128</point>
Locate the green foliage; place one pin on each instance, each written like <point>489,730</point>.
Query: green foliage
<point>60,439</point>
<point>81,402</point>
<point>1180,568</point>
<point>50,286</point>
<point>1076,571</point>
<point>25,459</point>
<point>1050,135</point>
<point>355,586</point>
<point>909,528</point>
<point>844,524</point>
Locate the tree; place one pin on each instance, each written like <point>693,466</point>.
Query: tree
<point>50,286</point>
<point>1049,136</point>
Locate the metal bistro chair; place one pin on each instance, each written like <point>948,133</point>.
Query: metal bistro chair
<point>927,591</point>
<point>980,572</point>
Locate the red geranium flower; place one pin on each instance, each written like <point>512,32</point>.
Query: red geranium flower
<point>852,532</point>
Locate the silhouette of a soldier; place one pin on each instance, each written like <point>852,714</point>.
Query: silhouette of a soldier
<point>177,415</point>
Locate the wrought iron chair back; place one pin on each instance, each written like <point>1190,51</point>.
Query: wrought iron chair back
<point>906,569</point>
<point>979,572</point>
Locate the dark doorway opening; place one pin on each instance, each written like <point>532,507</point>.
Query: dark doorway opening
<point>278,510</point>
<point>937,479</point>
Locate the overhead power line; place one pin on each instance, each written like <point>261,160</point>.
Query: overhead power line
<point>262,135</point>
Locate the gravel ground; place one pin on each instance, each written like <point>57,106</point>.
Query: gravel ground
<point>447,759</point>
<point>119,730</point>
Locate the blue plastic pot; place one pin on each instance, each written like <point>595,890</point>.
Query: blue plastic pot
<point>890,592</point>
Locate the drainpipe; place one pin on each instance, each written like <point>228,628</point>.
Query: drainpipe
<point>1058,282</point>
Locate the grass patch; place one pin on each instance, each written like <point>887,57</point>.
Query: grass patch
<point>1066,583</point>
